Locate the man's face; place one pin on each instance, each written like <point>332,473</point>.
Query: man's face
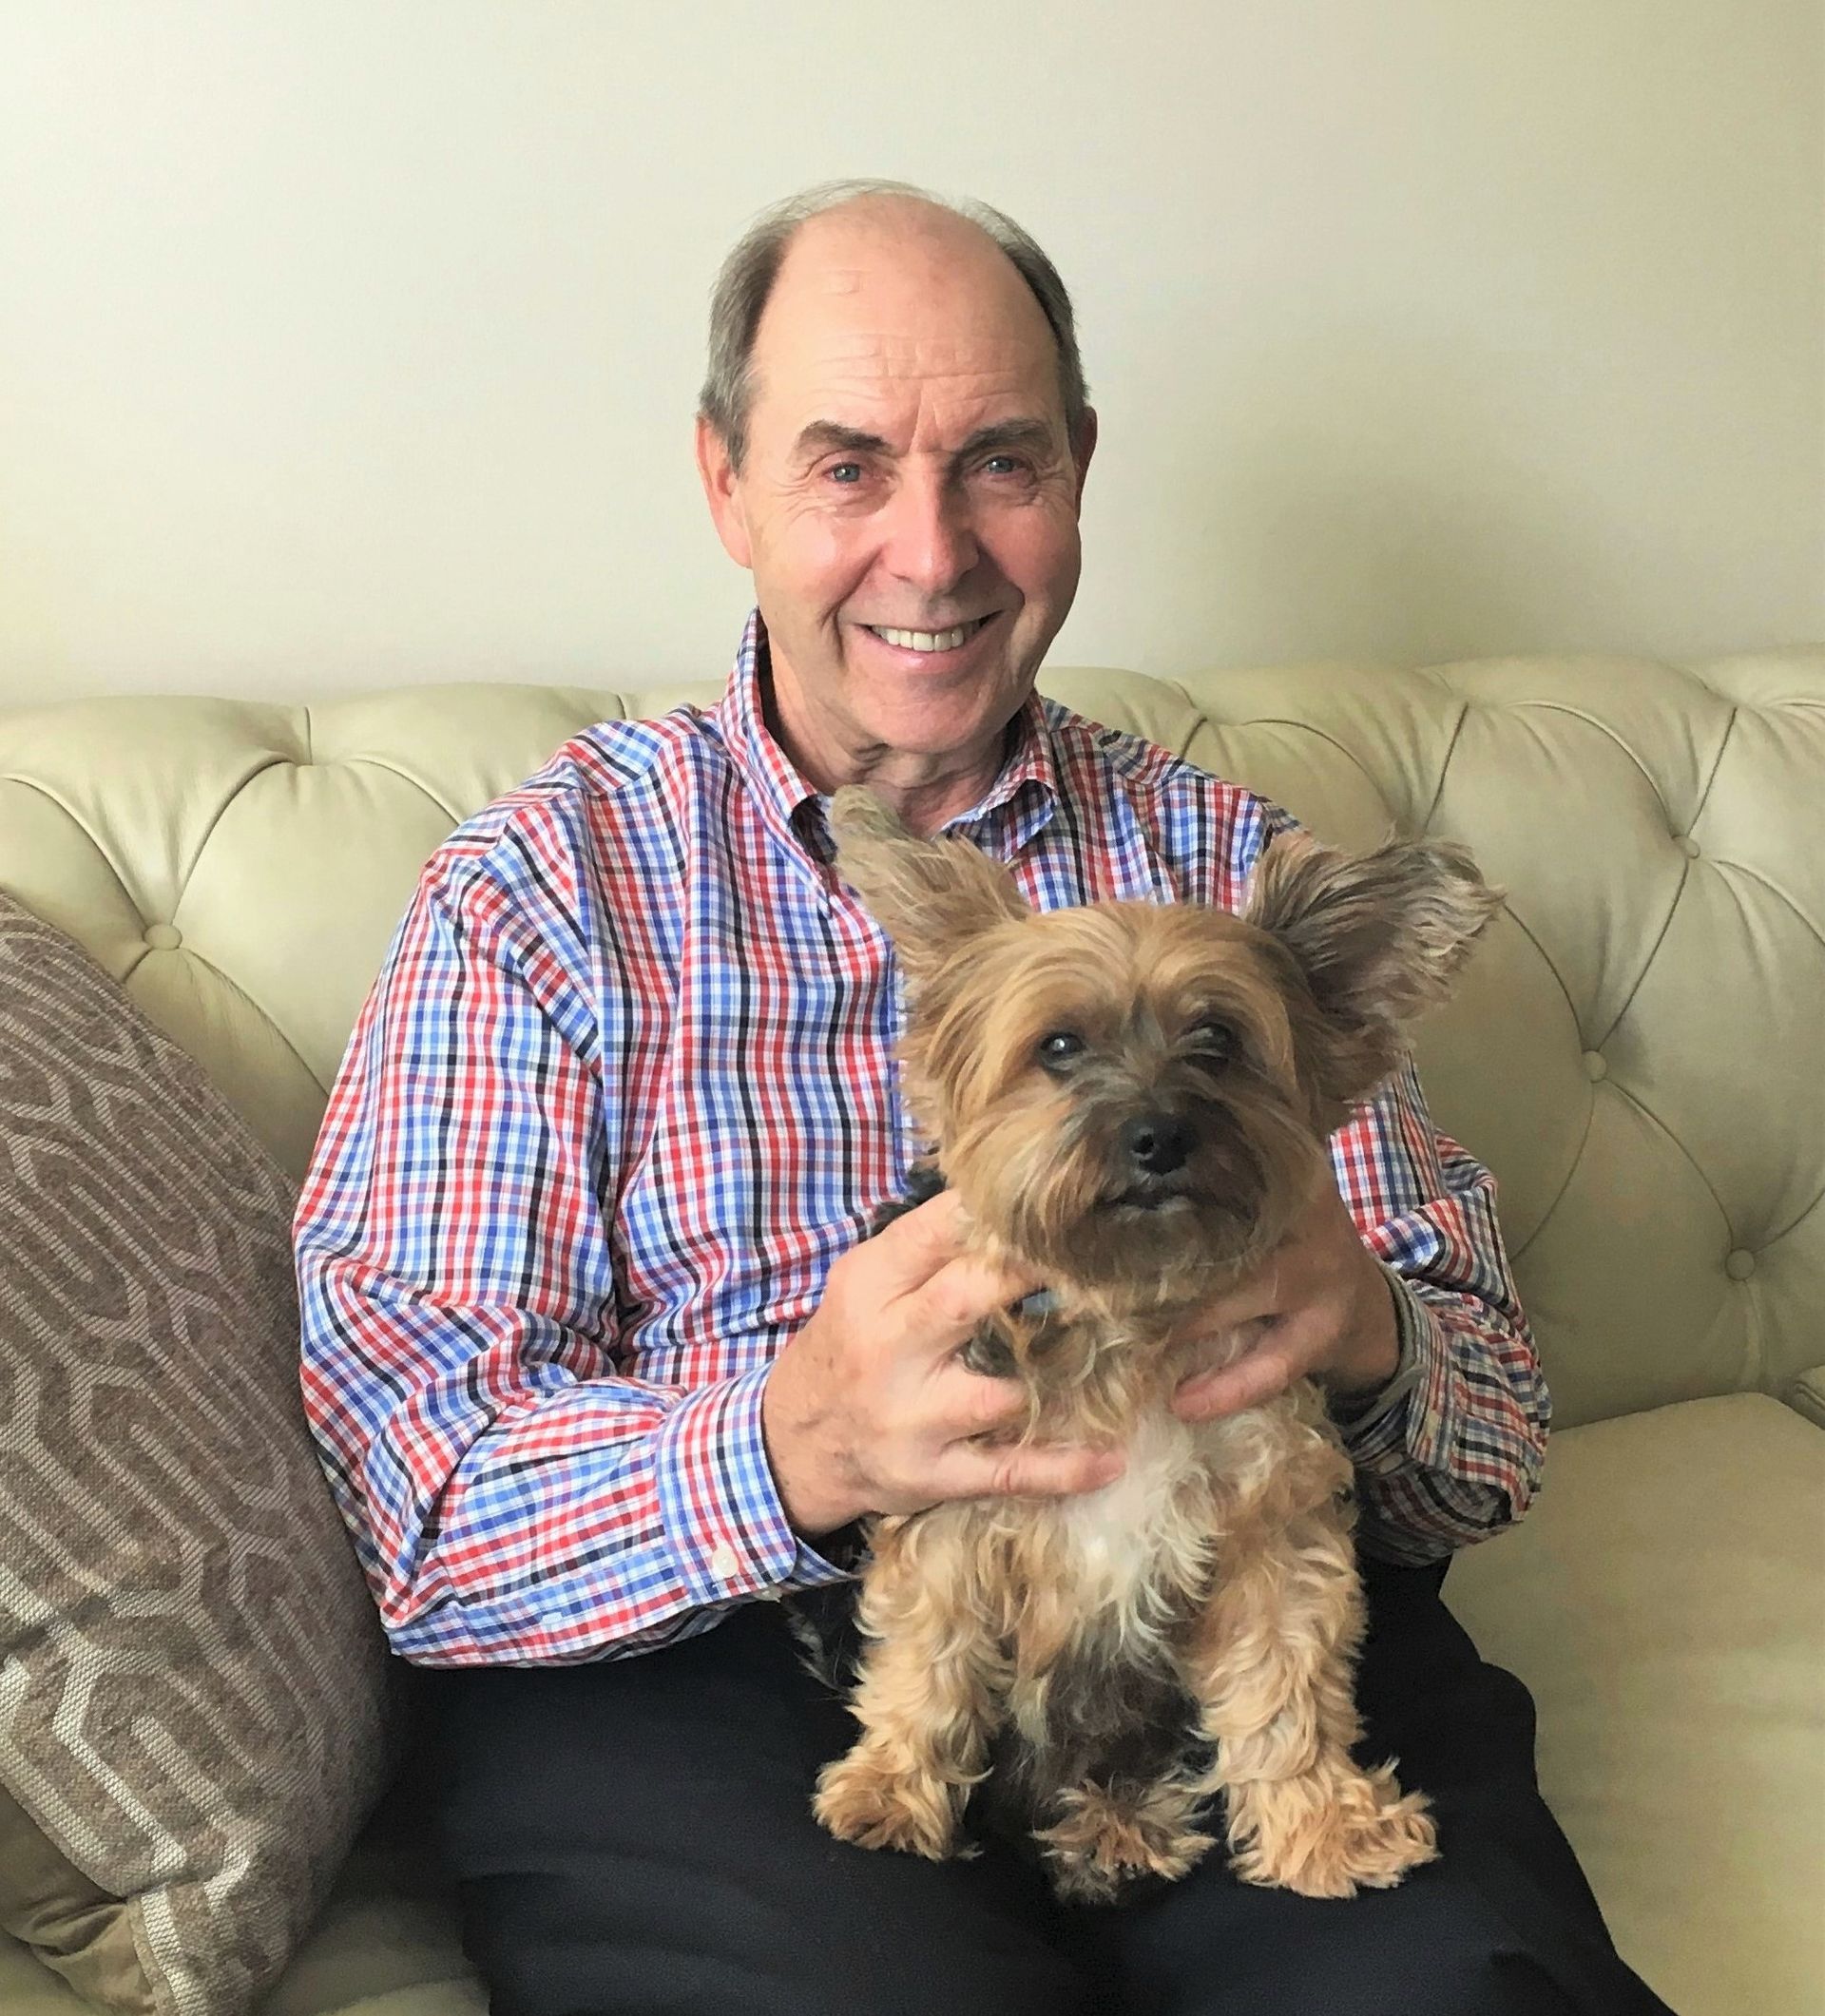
<point>908,499</point>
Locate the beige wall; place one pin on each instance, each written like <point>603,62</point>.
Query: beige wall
<point>353,340</point>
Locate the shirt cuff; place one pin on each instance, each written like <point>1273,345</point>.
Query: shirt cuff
<point>1386,1431</point>
<point>727,1529</point>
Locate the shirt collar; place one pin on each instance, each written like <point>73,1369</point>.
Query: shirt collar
<point>1016,806</point>
<point>766,769</point>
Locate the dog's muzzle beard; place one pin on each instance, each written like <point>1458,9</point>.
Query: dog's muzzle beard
<point>1134,1198</point>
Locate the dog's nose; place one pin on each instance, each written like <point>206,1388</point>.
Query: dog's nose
<point>1157,1143</point>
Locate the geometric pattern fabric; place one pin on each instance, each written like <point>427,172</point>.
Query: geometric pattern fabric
<point>192,1676</point>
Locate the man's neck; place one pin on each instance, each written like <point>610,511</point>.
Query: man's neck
<point>926,794</point>
<point>925,789</point>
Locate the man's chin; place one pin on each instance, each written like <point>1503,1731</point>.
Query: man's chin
<point>937,716</point>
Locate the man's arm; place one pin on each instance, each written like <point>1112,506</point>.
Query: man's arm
<point>1456,1455</point>
<point>1407,1275</point>
<point>513,1498</point>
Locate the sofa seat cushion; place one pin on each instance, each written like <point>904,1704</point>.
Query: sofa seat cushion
<point>1672,1558</point>
<point>385,1943</point>
<point>1664,1602</point>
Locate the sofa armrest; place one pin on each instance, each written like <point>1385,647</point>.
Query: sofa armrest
<point>1806,1395</point>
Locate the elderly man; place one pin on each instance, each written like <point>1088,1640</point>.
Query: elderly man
<point>597,1353</point>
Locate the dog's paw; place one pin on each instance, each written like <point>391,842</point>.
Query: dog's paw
<point>858,1801</point>
<point>1332,1832</point>
<point>1103,1841</point>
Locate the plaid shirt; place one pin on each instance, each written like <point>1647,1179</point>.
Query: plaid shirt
<point>623,1092</point>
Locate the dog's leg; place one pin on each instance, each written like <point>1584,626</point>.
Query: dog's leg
<point>1114,1771</point>
<point>926,1704</point>
<point>1110,1833</point>
<point>1272,1663</point>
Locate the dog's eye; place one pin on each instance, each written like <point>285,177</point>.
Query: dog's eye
<point>1059,1047</point>
<point>1213,1041</point>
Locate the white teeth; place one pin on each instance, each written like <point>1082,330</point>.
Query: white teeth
<point>929,639</point>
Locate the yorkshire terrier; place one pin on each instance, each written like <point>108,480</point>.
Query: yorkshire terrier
<point>1134,1100</point>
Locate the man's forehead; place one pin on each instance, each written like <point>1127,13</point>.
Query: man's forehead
<point>880,349</point>
<point>865,325</point>
<point>900,276</point>
<point>813,363</point>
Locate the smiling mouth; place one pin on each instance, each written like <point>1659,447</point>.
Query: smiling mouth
<point>928,641</point>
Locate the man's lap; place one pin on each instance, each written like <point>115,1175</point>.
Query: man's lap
<point>638,1835</point>
<point>635,1835</point>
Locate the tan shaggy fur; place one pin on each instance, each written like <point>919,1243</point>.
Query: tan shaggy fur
<point>1191,1629</point>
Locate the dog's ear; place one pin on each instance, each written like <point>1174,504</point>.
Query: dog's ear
<point>1378,937</point>
<point>929,894</point>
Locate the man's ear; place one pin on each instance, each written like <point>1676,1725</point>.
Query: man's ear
<point>929,895</point>
<point>1082,447</point>
<point>722,486</point>
<point>1378,938</point>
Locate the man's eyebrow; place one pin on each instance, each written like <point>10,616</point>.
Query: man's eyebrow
<point>823,438</point>
<point>1033,437</point>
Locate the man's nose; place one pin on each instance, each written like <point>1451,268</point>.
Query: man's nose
<point>930,540</point>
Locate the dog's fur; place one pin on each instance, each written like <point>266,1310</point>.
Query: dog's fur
<point>1120,1656</point>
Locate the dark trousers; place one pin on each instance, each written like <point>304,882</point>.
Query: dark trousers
<point>635,1835</point>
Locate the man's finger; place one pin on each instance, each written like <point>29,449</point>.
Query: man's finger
<point>965,1290</point>
<point>1256,1300</point>
<point>981,1403</point>
<point>1026,1471</point>
<point>912,1248</point>
<point>1259,1377</point>
<point>926,1249</point>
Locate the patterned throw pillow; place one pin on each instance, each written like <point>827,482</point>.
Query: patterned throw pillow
<point>192,1676</point>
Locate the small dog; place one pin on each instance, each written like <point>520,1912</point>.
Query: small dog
<point>1134,1100</point>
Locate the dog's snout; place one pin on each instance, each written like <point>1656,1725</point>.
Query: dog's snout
<point>1157,1143</point>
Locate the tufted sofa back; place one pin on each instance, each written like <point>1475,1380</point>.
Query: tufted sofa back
<point>1638,1051</point>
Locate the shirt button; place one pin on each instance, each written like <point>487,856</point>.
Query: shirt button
<point>723,1563</point>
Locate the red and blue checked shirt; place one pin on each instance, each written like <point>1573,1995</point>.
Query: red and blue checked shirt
<point>623,1092</point>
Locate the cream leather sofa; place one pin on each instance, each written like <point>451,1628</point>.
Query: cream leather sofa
<point>1639,1053</point>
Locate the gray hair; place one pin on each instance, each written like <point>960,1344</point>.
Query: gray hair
<point>746,278</point>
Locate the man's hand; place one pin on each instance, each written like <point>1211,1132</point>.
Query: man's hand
<point>869,1410</point>
<point>1321,1308</point>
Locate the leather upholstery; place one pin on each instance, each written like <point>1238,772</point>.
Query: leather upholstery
<point>1637,1051</point>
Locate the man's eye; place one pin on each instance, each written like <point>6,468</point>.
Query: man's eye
<point>845,473</point>
<point>1002,465</point>
<point>1060,1047</point>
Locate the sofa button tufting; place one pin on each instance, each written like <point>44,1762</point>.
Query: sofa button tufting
<point>163,937</point>
<point>1741,1264</point>
<point>1688,846</point>
<point>1596,1067</point>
